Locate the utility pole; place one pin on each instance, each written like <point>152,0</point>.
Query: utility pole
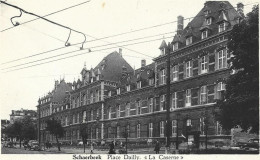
<point>168,80</point>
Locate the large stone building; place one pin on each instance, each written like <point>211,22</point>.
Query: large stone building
<point>20,114</point>
<point>112,100</point>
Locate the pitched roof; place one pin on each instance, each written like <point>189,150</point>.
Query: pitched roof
<point>217,10</point>
<point>111,66</point>
<point>163,45</point>
<point>60,92</point>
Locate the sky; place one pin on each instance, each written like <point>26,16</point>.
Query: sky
<point>98,18</point>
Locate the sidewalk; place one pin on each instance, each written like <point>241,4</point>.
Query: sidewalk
<point>98,151</point>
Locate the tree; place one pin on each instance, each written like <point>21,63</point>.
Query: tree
<point>240,106</point>
<point>84,135</point>
<point>29,128</point>
<point>55,128</point>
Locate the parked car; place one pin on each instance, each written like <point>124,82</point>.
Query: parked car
<point>9,144</point>
<point>80,143</point>
<point>252,143</point>
<point>32,145</point>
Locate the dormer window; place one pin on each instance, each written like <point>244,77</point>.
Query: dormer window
<point>162,51</point>
<point>151,81</point>
<point>128,88</point>
<point>204,34</point>
<point>222,27</point>
<point>109,93</point>
<point>118,91</point>
<point>138,76</point>
<point>92,79</point>
<point>189,40</point>
<point>206,12</point>
<point>139,84</point>
<point>98,76</point>
<point>209,21</point>
<point>175,46</point>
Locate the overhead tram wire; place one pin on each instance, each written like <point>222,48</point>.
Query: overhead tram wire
<point>84,49</point>
<point>50,21</point>
<point>46,14</point>
<point>83,54</point>
<point>90,47</point>
<point>107,36</point>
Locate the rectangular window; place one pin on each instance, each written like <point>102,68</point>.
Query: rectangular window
<point>127,109</point>
<point>118,132</point>
<point>188,122</point>
<point>97,95</point>
<point>221,87</point>
<point>204,34</point>
<point>174,101</point>
<point>118,111</point>
<point>175,46</point>
<point>222,59</point>
<point>138,128</point>
<point>163,51</point>
<point>202,126</point>
<point>204,65</point>
<point>139,84</point>
<point>66,120</point>
<point>91,97</point>
<point>162,102</point>
<point>208,21</point>
<point>138,107</point>
<point>97,133</point>
<point>151,81</point>
<point>162,129</point>
<point>188,40</point>
<point>128,88</point>
<point>150,100</point>
<point>73,119</point>
<point>218,128</point>
<point>174,128</point>
<point>222,27</point>
<point>91,115</point>
<point>150,130</point>
<point>118,91</point>
<point>163,79</point>
<point>109,93</point>
<point>109,113</point>
<point>203,95</point>
<point>188,98</point>
<point>175,73</point>
<point>188,69</point>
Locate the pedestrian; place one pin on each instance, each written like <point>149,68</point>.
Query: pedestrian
<point>91,148</point>
<point>112,148</point>
<point>157,147</point>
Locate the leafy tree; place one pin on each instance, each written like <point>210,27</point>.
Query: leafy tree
<point>84,135</point>
<point>55,128</point>
<point>240,107</point>
<point>29,128</point>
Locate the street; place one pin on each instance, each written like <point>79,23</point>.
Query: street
<point>54,150</point>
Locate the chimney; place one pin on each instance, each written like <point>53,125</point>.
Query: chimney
<point>179,24</point>
<point>143,63</point>
<point>120,51</point>
<point>56,84</point>
<point>240,9</point>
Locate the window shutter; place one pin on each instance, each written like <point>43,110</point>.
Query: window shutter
<point>207,64</point>
<point>216,61</point>
<point>195,67</point>
<point>157,104</point>
<point>194,96</point>
<point>212,63</point>
<point>225,58</point>
<point>191,70</point>
<point>199,65</point>
<point>184,70</point>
